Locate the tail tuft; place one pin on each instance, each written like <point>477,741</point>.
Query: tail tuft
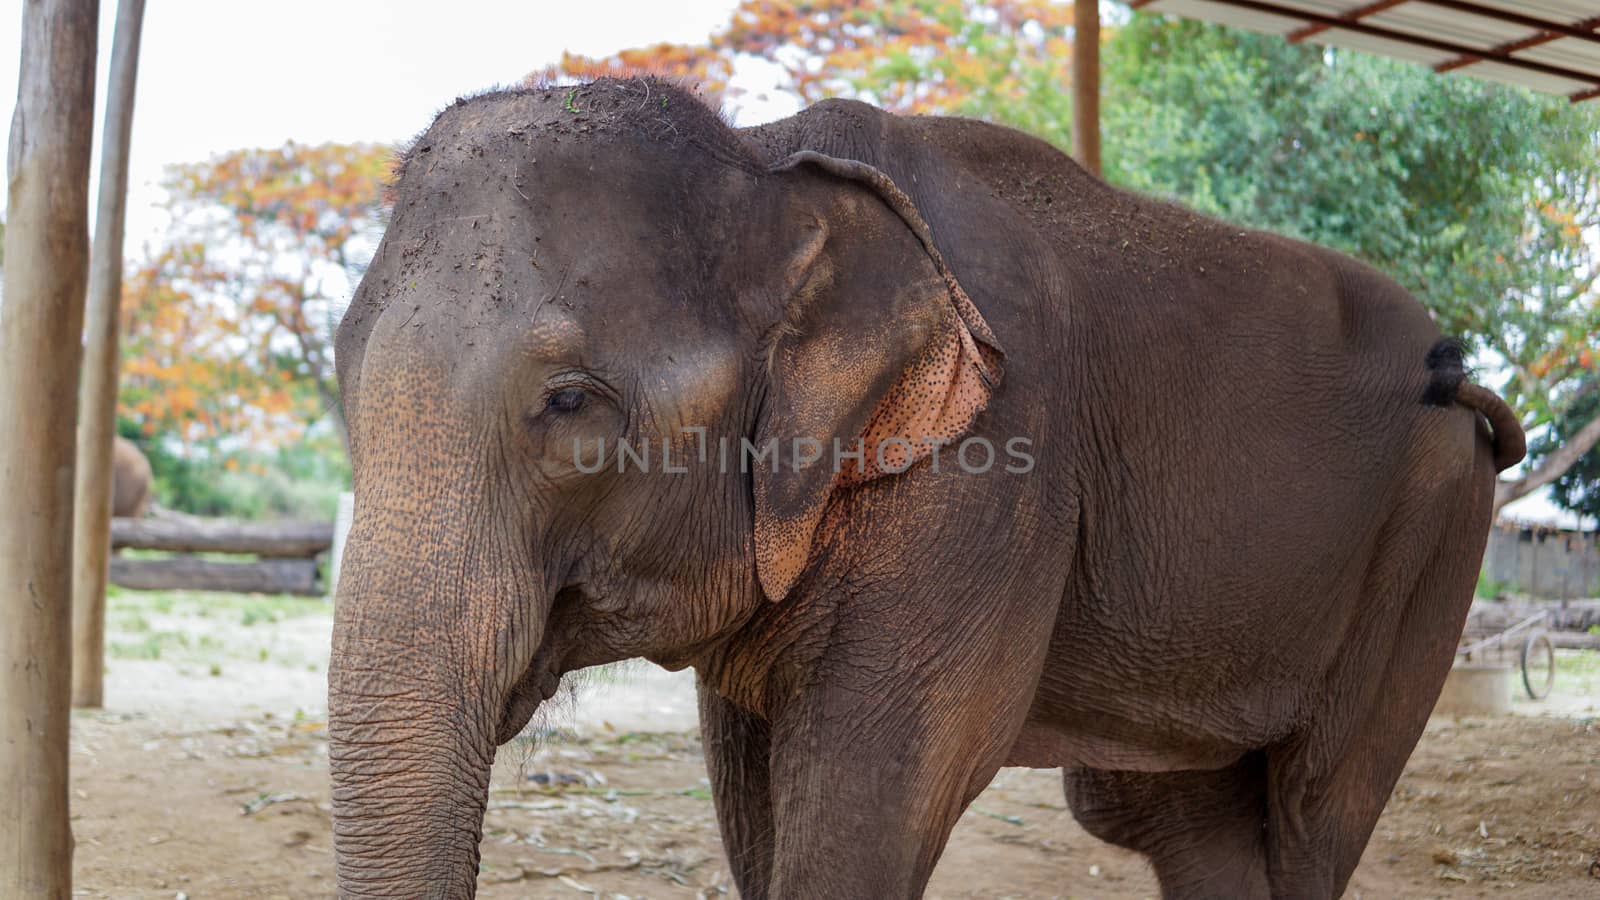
<point>1447,369</point>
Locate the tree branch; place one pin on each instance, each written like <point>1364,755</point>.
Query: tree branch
<point>1552,467</point>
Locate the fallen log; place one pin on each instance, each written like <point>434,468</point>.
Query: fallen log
<point>188,573</point>
<point>278,540</point>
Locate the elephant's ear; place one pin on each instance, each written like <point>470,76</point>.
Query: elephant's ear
<point>878,350</point>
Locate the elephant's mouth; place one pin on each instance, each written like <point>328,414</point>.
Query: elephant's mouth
<point>538,683</point>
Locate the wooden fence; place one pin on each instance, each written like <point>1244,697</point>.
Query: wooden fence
<point>285,555</point>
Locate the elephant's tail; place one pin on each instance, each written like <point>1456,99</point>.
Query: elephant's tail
<point>1447,383</point>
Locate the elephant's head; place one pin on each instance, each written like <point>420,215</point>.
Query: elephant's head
<point>583,297</point>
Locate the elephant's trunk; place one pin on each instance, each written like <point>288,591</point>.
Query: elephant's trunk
<point>410,780</point>
<point>435,621</point>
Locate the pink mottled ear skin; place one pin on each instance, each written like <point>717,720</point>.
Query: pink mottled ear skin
<point>936,398</point>
<point>932,403</point>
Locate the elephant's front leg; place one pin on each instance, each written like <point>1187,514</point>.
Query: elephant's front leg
<point>872,765</point>
<point>737,748</point>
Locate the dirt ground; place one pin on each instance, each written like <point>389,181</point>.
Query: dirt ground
<point>207,778</point>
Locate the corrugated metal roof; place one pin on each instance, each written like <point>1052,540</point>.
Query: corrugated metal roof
<point>1551,46</point>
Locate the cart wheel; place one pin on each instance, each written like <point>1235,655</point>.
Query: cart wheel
<point>1538,665</point>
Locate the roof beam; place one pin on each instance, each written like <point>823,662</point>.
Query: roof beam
<point>1295,37</point>
<point>1480,54</point>
<point>1586,28</point>
<point>1552,30</point>
<point>1517,46</point>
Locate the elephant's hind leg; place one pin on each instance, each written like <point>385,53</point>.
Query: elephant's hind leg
<point>1328,786</point>
<point>1202,831</point>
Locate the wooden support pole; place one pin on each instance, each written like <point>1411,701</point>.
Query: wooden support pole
<point>97,415</point>
<point>1086,84</point>
<point>46,260</point>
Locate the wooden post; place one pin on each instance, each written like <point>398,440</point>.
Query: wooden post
<point>97,415</point>
<point>1086,84</point>
<point>46,258</point>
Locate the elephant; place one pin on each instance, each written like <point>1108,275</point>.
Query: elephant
<point>130,479</point>
<point>929,452</point>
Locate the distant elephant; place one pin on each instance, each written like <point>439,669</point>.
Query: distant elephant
<point>930,452</point>
<point>130,479</point>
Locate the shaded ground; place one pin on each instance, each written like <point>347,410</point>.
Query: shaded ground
<point>210,791</point>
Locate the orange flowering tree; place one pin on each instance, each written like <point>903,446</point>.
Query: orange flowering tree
<point>705,67</point>
<point>1005,60</point>
<point>229,325</point>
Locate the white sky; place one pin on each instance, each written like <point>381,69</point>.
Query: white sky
<point>219,75</point>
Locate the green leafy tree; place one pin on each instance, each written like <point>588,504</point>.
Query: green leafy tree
<point>1578,487</point>
<point>1482,200</point>
<point>298,479</point>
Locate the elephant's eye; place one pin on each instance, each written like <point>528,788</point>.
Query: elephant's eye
<point>566,400</point>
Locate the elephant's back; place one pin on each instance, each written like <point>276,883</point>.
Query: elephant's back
<point>1221,335</point>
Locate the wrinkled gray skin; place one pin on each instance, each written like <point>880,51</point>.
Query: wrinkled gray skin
<point>1223,600</point>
